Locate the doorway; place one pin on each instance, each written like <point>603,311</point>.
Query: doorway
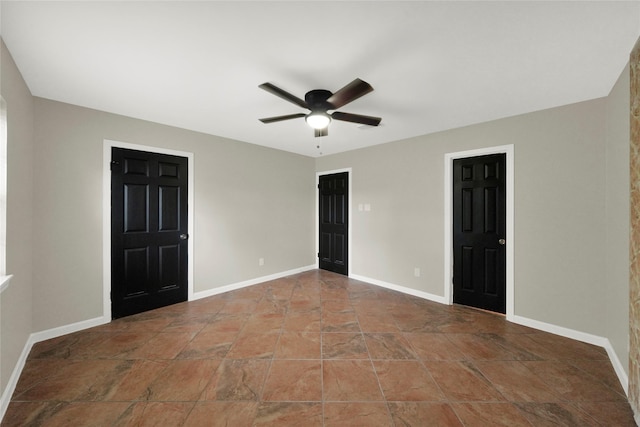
<point>149,230</point>
<point>449,158</point>
<point>333,222</point>
<point>479,232</point>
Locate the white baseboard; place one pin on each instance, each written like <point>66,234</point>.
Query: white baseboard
<point>535,324</point>
<point>559,330</point>
<point>403,289</point>
<point>15,375</point>
<point>34,338</point>
<point>68,329</point>
<point>618,367</point>
<point>579,336</point>
<point>250,282</point>
<point>78,326</point>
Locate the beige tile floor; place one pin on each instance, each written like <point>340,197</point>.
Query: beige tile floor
<point>316,349</point>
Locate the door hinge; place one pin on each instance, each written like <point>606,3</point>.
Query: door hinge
<point>318,255</point>
<point>114,163</point>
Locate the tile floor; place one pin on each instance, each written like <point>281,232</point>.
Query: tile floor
<point>316,349</point>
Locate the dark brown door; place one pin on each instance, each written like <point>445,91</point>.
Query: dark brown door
<point>479,230</point>
<point>148,231</point>
<point>334,214</point>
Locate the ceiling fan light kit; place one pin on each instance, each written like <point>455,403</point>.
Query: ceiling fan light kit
<point>318,120</point>
<point>320,101</point>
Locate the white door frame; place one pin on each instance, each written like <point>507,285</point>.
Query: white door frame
<point>448,220</point>
<point>349,216</point>
<point>106,215</point>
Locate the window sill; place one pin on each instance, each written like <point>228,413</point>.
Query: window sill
<point>4,282</point>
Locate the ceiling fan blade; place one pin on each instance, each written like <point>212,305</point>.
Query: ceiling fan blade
<point>283,94</point>
<point>321,132</point>
<point>350,92</point>
<point>356,118</point>
<point>281,118</point>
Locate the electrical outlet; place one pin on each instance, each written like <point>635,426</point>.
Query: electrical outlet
<point>261,262</point>
<point>416,272</point>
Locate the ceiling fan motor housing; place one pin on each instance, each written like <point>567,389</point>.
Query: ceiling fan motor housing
<point>317,100</point>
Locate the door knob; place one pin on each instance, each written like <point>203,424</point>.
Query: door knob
<point>502,241</point>
<point>184,236</point>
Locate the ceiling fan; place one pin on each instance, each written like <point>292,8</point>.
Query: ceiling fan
<point>320,101</point>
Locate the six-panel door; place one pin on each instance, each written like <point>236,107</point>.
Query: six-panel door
<point>479,227</point>
<point>148,231</point>
<point>334,216</point>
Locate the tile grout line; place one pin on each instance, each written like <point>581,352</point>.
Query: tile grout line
<point>375,372</point>
<point>321,357</point>
<point>572,360</point>
<point>320,299</point>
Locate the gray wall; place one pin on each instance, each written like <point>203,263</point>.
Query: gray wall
<point>250,202</point>
<point>16,301</point>
<point>560,217</point>
<point>617,217</point>
<point>571,180</point>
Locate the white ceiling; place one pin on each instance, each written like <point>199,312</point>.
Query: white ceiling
<point>433,65</point>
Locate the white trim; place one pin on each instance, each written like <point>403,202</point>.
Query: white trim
<point>36,338</point>
<point>617,366</point>
<point>350,226</point>
<point>15,376</point>
<point>106,215</point>
<point>4,282</point>
<point>535,324</point>
<point>448,223</point>
<point>547,327</point>
<point>69,329</point>
<point>580,336</point>
<point>403,289</point>
<point>250,282</point>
